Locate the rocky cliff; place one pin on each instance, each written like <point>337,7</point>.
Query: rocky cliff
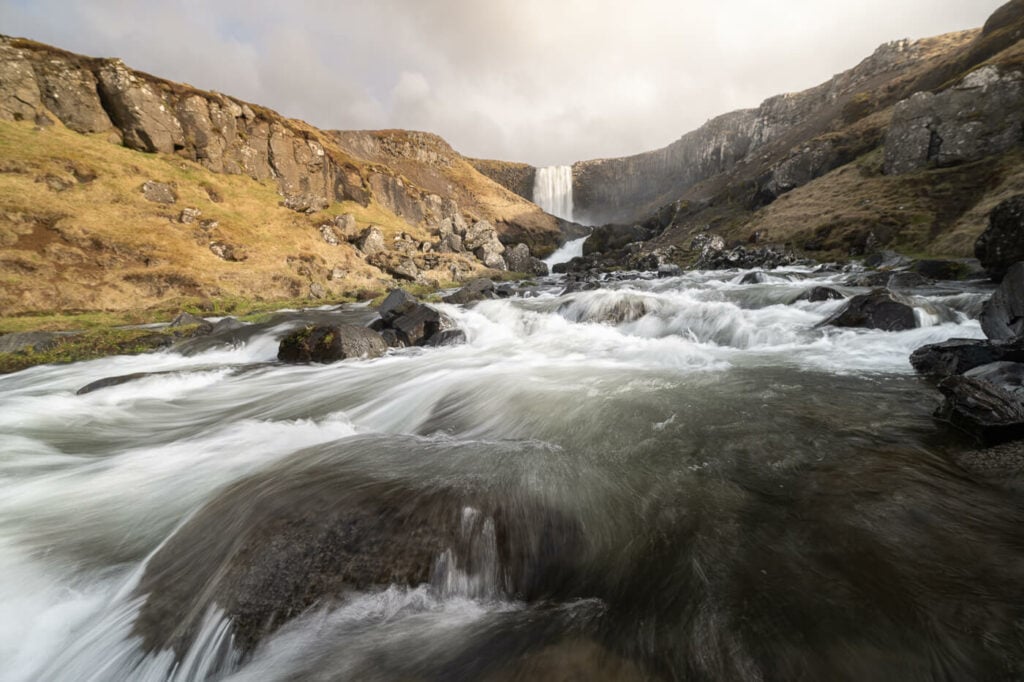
<point>907,149</point>
<point>60,111</point>
<point>781,144</point>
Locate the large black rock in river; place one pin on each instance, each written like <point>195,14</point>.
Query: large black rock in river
<point>317,528</point>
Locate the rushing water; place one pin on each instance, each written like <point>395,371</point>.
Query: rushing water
<point>566,252</point>
<point>552,190</point>
<point>664,479</point>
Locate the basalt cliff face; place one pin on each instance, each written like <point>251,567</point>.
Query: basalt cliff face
<point>262,205</point>
<point>909,149</point>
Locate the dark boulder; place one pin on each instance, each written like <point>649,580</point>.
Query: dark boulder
<point>449,337</point>
<point>958,356</point>
<point>614,237</point>
<point>404,321</point>
<point>669,270</point>
<point>475,290</point>
<point>947,270</point>
<point>907,280</point>
<point>886,260</point>
<point>330,343</point>
<point>520,259</point>
<point>743,258</point>
<point>580,285</point>
<point>880,309</point>
<point>108,382</point>
<point>819,294</point>
<point>987,401</point>
<point>1002,244</point>
<point>1002,317</point>
<point>756,277</point>
<point>316,528</point>
<point>398,302</point>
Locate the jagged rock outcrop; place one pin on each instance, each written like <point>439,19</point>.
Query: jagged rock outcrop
<point>780,145</point>
<point>1002,244</point>
<point>1002,317</point>
<point>518,177</point>
<point>958,356</point>
<point>980,116</point>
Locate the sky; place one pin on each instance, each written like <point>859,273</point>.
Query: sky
<point>546,82</point>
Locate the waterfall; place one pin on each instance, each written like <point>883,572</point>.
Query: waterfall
<point>552,190</point>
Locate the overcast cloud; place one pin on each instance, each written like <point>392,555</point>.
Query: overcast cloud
<point>541,81</point>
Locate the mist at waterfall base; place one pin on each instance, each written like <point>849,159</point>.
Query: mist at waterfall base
<point>662,479</point>
<point>552,191</point>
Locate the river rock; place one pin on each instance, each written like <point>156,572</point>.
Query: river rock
<point>330,343</point>
<point>757,277</point>
<point>987,401</point>
<point>1002,244</point>
<point>743,258</point>
<point>608,238</point>
<point>947,270</point>
<point>314,529</point>
<point>818,294</point>
<point>475,290</point>
<point>404,321</point>
<point>1002,316</point>
<point>880,309</point>
<point>669,270</point>
<point>907,280</point>
<point>398,302</point>
<point>886,260</point>
<point>958,356</point>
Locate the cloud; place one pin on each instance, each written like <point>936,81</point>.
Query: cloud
<point>543,81</point>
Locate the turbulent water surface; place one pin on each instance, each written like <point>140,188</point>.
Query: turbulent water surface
<point>660,479</point>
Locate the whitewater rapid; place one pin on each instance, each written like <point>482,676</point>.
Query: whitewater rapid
<point>606,405</point>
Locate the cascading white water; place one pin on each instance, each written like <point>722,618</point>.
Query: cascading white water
<point>552,190</point>
<point>640,411</point>
<point>566,252</point>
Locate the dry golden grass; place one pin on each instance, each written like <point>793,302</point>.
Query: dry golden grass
<point>77,234</point>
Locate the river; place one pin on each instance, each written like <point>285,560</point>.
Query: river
<point>680,478</point>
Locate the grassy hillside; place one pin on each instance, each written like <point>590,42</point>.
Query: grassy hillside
<point>76,232</point>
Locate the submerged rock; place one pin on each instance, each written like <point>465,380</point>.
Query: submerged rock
<point>756,277</point>
<point>475,290</point>
<point>880,309</point>
<point>314,529</point>
<point>818,294</point>
<point>330,343</point>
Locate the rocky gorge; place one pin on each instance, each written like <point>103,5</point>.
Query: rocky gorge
<point>671,450</point>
